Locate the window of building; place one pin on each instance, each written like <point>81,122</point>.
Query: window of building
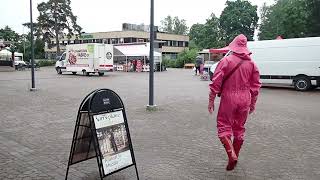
<point>186,44</point>
<point>90,41</point>
<point>174,55</point>
<point>169,55</point>
<point>85,41</point>
<point>127,40</point>
<point>98,40</point>
<point>175,43</point>
<point>134,40</point>
<point>115,41</point>
<point>165,43</point>
<point>141,40</point>
<point>180,43</point>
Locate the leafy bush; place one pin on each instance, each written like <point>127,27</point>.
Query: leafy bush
<point>43,63</point>
<point>180,63</point>
<point>170,63</point>
<point>186,56</point>
<point>165,62</point>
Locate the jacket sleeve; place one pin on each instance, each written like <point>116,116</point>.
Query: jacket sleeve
<point>219,73</point>
<point>255,85</point>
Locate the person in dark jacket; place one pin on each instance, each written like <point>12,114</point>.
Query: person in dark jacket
<point>199,62</point>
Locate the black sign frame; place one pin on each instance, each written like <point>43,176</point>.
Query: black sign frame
<point>85,138</point>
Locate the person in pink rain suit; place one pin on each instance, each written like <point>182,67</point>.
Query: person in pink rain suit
<point>237,80</point>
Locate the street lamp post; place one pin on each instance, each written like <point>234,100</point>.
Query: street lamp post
<point>32,50</point>
<point>151,106</point>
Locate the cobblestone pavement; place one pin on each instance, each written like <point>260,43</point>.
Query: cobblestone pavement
<point>177,142</point>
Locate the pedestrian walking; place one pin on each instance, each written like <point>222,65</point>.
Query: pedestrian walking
<point>199,61</point>
<point>237,80</point>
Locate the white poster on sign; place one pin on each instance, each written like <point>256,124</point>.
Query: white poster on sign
<point>113,141</point>
<point>108,119</point>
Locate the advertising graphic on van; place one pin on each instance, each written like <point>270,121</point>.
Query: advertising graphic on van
<point>72,57</point>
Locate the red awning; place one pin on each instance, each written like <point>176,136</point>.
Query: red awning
<point>220,51</point>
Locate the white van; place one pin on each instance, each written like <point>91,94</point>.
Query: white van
<point>86,58</point>
<point>288,61</point>
<point>293,62</point>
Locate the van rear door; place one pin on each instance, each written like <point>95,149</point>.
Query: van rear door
<point>101,57</point>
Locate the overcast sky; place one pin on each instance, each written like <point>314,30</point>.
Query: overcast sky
<point>108,15</point>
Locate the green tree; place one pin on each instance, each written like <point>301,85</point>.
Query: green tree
<point>25,46</point>
<point>57,20</point>
<point>37,32</point>
<point>290,19</point>
<point>167,24</point>
<point>238,17</point>
<point>207,35</point>
<point>7,34</point>
<point>186,56</point>
<point>314,16</point>
<point>197,35</point>
<point>174,25</point>
<point>21,43</point>
<point>39,42</point>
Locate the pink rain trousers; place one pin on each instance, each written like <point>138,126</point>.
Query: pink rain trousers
<point>238,96</point>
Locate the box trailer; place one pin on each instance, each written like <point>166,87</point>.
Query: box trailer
<point>86,58</point>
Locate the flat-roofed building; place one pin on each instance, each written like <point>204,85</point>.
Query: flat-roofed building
<point>169,44</point>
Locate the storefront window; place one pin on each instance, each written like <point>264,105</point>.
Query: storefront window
<point>98,40</point>
<point>127,40</point>
<point>114,41</point>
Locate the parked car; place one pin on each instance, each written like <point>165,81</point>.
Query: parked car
<point>207,66</point>
<point>206,74</point>
<point>17,62</point>
<point>36,65</point>
<point>20,65</point>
